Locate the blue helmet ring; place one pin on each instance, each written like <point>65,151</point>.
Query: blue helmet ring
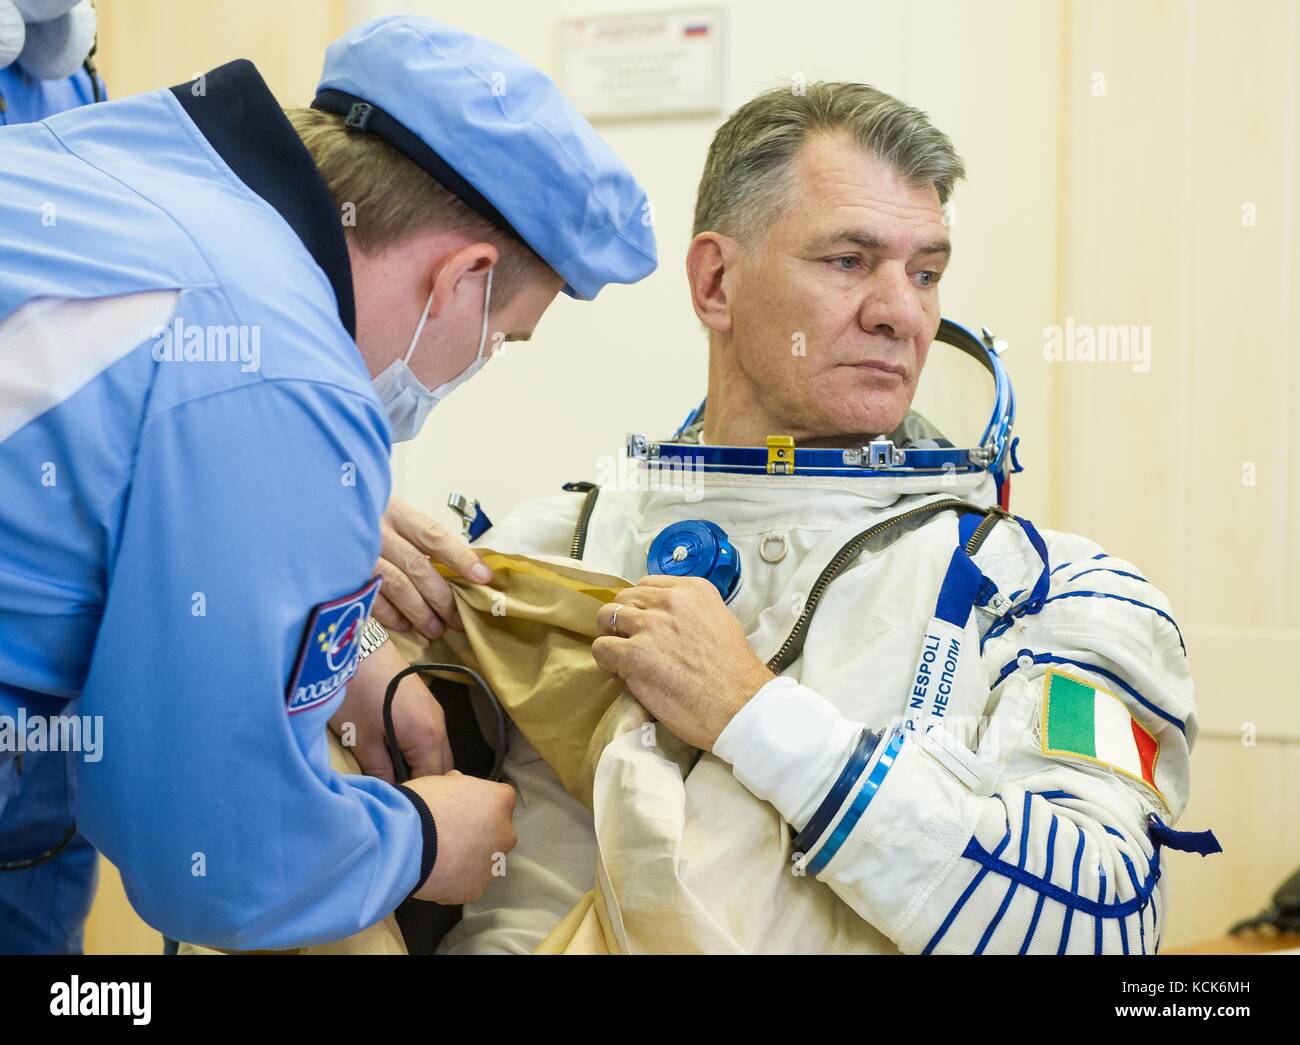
<point>880,457</point>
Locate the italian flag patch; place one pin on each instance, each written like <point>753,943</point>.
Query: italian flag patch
<point>1085,721</point>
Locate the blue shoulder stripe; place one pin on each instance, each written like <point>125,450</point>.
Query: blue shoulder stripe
<point>1123,598</point>
<point>1109,569</point>
<point>1052,658</point>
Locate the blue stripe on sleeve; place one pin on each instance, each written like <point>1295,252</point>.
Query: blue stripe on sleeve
<point>1047,874</point>
<point>1011,889</point>
<point>860,802</point>
<point>1051,658</point>
<point>839,791</point>
<point>1074,888</point>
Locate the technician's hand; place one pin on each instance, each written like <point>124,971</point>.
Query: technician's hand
<point>417,719</point>
<point>474,834</point>
<point>682,655</point>
<point>413,592</point>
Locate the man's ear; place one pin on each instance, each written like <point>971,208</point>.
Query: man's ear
<point>451,272</point>
<point>707,262</point>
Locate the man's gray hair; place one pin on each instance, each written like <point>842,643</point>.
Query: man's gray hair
<point>748,175</point>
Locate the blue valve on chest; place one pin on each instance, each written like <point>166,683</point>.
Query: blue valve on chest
<point>696,548</point>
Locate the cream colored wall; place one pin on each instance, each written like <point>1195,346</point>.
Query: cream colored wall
<point>146,44</point>
<point>1197,121</point>
<point>1120,208</point>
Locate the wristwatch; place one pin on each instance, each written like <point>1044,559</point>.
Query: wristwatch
<point>373,636</point>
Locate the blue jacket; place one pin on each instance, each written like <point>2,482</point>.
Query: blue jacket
<point>174,516</point>
<point>43,906</point>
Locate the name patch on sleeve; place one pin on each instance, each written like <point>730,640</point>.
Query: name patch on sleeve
<point>328,655</point>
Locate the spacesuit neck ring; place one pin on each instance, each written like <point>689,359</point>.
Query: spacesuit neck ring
<point>992,453</point>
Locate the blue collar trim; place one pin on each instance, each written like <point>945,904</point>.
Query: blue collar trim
<point>243,122</point>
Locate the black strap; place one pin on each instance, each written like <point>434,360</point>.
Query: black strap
<point>361,115</point>
<point>429,830</point>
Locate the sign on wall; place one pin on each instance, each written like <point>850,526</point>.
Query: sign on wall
<point>624,66</point>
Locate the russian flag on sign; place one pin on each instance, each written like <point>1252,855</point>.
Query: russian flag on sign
<point>697,29</point>
<point>1085,721</point>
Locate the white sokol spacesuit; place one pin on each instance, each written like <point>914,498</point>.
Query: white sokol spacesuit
<point>900,786</point>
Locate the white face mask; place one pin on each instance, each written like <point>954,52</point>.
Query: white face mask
<point>404,399</point>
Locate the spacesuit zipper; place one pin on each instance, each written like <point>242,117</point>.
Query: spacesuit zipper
<point>579,543</point>
<point>793,645</point>
<point>984,529</point>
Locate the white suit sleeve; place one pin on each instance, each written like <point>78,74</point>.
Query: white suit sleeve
<point>1009,848</point>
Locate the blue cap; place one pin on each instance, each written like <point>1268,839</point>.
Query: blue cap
<point>496,132</point>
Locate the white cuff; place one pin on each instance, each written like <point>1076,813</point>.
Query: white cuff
<point>787,746</point>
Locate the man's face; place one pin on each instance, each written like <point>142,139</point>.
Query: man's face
<point>452,345</point>
<point>833,313</point>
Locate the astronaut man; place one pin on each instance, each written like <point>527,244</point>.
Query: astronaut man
<point>924,724</point>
